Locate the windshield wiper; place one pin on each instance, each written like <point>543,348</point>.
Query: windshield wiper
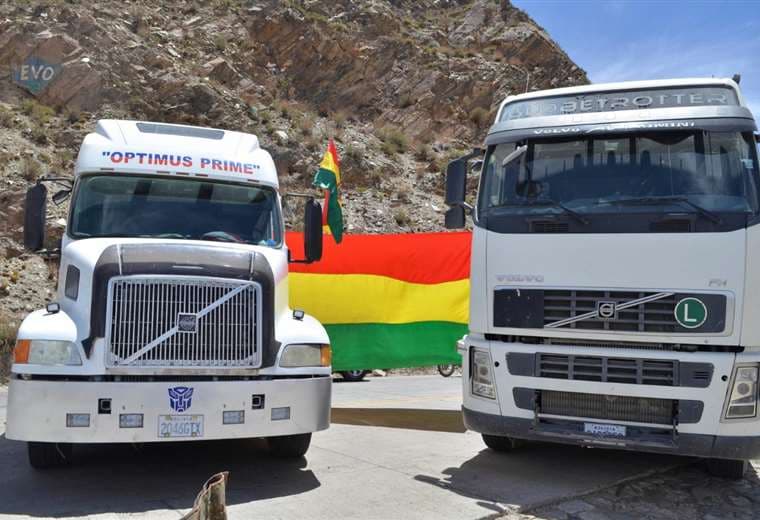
<point>709,215</point>
<point>549,202</point>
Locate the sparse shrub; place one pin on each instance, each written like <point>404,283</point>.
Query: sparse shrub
<point>394,140</point>
<point>479,116</point>
<point>6,117</point>
<point>339,118</point>
<point>8,329</point>
<point>306,125</point>
<point>403,195</point>
<point>31,169</point>
<point>39,134</point>
<point>425,153</point>
<point>352,153</point>
<point>284,108</point>
<point>401,217</point>
<point>37,111</point>
<point>220,42</point>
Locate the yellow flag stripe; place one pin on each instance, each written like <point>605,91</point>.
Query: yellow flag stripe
<point>328,163</point>
<point>360,298</point>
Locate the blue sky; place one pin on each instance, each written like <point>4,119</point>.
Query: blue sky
<point>618,40</point>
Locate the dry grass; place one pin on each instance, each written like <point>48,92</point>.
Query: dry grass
<point>31,169</point>
<point>8,329</point>
<point>480,116</point>
<point>6,117</point>
<point>394,140</point>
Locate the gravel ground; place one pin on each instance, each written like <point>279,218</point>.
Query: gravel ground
<point>686,493</point>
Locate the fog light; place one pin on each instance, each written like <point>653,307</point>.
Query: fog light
<point>233,417</point>
<point>743,403</point>
<point>281,414</point>
<point>77,420</point>
<point>131,420</point>
<point>482,376</point>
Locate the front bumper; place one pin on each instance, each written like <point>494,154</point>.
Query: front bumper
<point>37,408</point>
<point>644,439</point>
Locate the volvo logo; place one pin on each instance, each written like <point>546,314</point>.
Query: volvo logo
<point>187,322</point>
<point>606,310</point>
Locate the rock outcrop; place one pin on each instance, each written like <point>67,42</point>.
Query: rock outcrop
<point>402,86</point>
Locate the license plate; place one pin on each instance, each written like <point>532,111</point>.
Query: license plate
<point>604,430</point>
<point>171,426</point>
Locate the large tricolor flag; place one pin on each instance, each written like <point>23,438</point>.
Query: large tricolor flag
<point>327,178</point>
<point>387,301</point>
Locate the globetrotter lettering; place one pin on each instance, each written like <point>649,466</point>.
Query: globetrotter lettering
<point>184,161</point>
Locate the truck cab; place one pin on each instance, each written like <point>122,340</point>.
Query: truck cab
<point>171,319</point>
<point>615,271</point>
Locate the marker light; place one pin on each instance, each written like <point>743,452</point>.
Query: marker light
<point>77,420</point>
<point>306,356</point>
<point>743,403</point>
<point>233,417</point>
<point>281,414</point>
<point>130,420</point>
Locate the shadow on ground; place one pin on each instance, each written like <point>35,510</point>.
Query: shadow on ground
<point>489,476</point>
<point>121,479</point>
<point>406,418</point>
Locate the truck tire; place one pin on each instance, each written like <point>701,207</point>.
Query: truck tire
<point>43,455</point>
<point>353,375</point>
<point>727,468</point>
<point>500,443</point>
<point>289,446</point>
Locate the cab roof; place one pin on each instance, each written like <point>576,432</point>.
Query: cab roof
<point>120,146</point>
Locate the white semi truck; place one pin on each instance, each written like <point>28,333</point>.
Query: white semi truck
<point>615,284</point>
<point>171,320</point>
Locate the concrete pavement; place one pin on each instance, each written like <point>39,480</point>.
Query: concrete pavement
<point>397,449</point>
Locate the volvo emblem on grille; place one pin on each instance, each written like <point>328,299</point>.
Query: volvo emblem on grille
<point>187,322</point>
<point>606,310</point>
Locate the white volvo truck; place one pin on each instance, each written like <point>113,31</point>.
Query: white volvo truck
<point>171,320</point>
<point>615,284</point>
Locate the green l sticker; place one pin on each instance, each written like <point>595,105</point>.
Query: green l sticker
<point>690,313</point>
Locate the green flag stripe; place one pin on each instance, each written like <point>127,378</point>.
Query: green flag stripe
<point>383,345</point>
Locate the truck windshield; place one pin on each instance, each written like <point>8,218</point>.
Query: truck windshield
<point>158,207</point>
<point>703,172</point>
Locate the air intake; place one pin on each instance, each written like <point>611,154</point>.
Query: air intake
<point>549,226</point>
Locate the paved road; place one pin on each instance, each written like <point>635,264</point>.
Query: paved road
<point>397,449</point>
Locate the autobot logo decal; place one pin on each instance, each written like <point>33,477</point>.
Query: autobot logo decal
<point>180,398</point>
<point>606,310</point>
<point>187,322</point>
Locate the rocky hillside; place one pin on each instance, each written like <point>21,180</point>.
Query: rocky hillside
<point>401,85</point>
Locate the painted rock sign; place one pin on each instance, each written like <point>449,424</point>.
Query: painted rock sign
<point>35,74</point>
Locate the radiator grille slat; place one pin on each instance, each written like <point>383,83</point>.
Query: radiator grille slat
<point>608,407</point>
<point>146,315</point>
<point>614,370</point>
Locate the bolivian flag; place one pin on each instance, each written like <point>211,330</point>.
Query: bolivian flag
<point>328,179</point>
<point>388,301</point>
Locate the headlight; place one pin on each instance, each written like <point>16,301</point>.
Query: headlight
<point>743,403</point>
<point>482,376</point>
<point>306,356</point>
<point>46,352</point>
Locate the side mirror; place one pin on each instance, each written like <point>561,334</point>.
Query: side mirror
<point>455,217</point>
<point>35,210</point>
<point>312,231</point>
<point>59,197</point>
<point>456,181</point>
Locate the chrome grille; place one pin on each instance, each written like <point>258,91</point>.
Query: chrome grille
<point>609,370</point>
<point>609,407</point>
<point>652,316</point>
<point>163,321</point>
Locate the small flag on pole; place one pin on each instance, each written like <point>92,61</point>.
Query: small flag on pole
<point>328,179</point>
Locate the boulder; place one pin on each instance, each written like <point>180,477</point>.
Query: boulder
<point>220,70</point>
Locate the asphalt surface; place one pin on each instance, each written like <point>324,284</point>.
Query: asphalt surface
<point>397,449</point>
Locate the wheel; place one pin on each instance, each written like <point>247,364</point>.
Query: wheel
<point>500,443</point>
<point>446,370</point>
<point>727,468</point>
<point>353,375</point>
<point>289,446</point>
<point>43,455</point>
